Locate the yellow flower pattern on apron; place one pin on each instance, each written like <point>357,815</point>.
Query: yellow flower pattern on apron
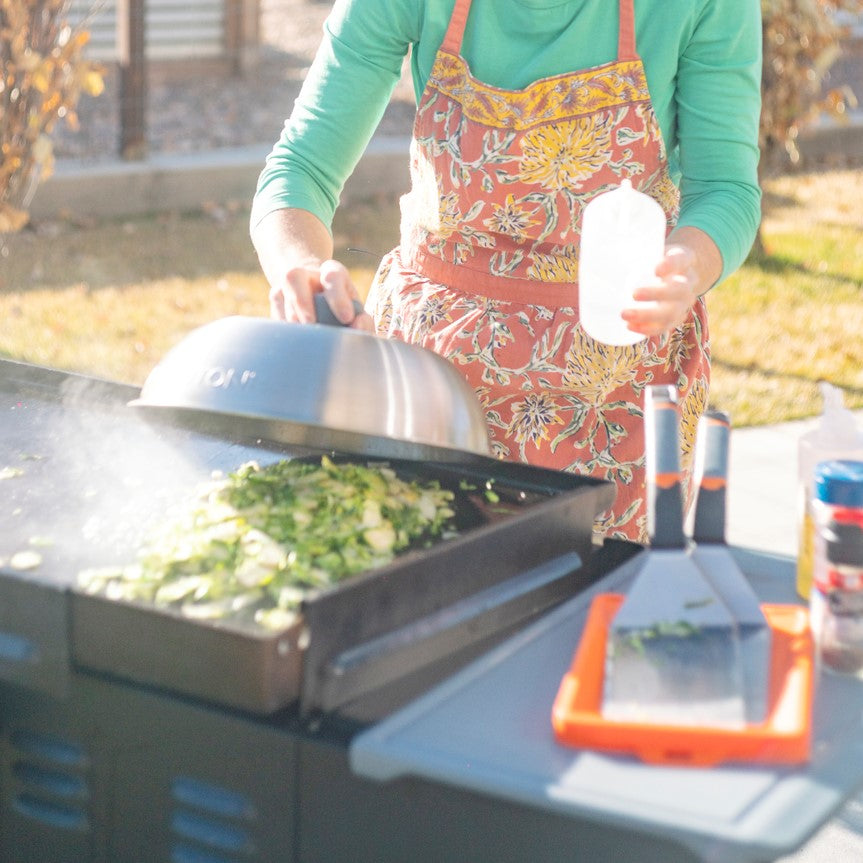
<point>486,273</point>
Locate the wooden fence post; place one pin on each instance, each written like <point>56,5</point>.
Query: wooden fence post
<point>242,34</point>
<point>131,42</point>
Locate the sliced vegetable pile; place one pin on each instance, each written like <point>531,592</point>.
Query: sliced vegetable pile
<point>251,544</point>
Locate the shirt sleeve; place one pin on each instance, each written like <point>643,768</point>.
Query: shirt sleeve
<point>718,111</point>
<point>340,104</point>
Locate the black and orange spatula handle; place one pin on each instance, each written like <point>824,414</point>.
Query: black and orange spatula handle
<point>714,435</point>
<point>662,455</point>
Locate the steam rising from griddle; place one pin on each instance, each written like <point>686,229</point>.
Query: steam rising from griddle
<point>110,476</point>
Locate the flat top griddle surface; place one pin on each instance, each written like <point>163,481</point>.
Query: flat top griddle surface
<point>86,476</point>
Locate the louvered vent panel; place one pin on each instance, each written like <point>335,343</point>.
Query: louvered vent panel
<point>50,781</point>
<point>211,824</point>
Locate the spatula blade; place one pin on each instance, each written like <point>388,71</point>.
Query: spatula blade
<point>672,651</point>
<point>715,560</point>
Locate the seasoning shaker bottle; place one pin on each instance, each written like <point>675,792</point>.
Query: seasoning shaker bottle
<point>836,596</point>
<point>835,437</point>
<point>622,241</point>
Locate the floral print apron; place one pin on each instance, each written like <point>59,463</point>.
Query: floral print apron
<point>487,267</point>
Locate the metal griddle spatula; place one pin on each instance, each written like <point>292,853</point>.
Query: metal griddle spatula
<point>673,648</point>
<point>715,560</point>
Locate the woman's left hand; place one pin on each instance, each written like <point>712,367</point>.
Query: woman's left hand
<point>691,266</point>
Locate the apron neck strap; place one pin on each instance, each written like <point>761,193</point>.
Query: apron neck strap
<point>626,31</point>
<point>455,31</point>
<point>625,39</point>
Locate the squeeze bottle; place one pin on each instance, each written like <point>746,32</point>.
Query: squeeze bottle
<point>836,437</point>
<point>622,241</point>
<point>836,597</point>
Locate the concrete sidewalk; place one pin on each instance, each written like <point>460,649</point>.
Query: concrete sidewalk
<point>762,515</point>
<point>762,487</point>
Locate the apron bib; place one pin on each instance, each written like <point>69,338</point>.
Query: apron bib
<point>487,266</point>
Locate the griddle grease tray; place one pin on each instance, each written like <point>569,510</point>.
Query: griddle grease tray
<point>751,700</point>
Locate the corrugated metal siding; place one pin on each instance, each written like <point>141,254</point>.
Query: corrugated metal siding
<point>100,18</point>
<point>175,29</point>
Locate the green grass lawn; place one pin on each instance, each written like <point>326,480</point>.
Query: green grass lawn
<point>780,325</point>
<point>110,298</point>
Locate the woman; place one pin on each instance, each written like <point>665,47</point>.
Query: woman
<point>526,110</point>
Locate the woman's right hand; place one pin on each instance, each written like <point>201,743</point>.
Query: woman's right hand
<point>295,250</point>
<point>292,296</point>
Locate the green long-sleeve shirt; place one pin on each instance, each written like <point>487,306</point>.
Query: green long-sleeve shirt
<point>702,59</point>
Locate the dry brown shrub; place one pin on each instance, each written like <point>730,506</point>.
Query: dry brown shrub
<point>42,75</point>
<point>802,40</point>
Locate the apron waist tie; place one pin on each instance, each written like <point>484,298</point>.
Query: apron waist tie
<point>480,282</point>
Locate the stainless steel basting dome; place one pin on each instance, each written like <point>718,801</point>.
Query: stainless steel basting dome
<point>318,386</point>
